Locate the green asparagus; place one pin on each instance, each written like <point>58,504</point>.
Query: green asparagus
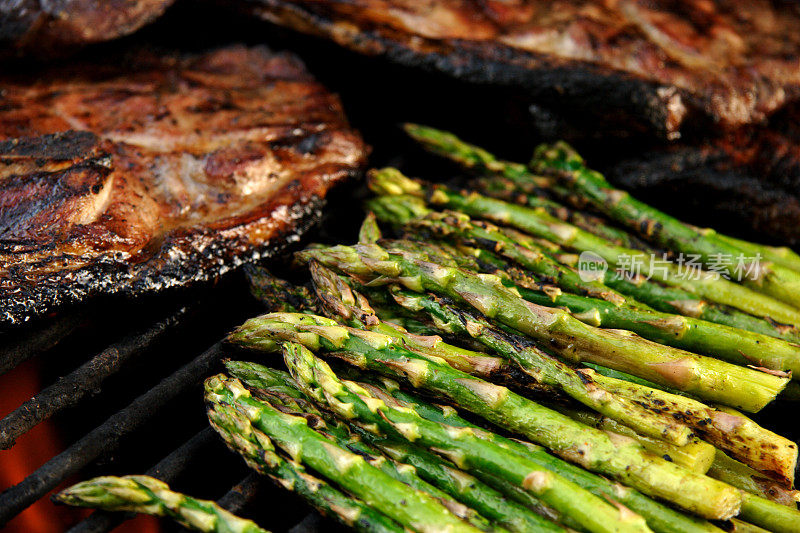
<point>460,485</point>
<point>542,225</point>
<point>260,455</point>
<point>540,366</point>
<point>463,446</point>
<point>147,495</point>
<point>380,491</point>
<point>561,160</point>
<point>623,459</point>
<point>569,337</point>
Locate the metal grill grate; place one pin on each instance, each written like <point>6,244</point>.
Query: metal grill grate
<point>106,448</point>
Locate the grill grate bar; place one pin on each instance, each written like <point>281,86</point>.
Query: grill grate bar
<point>33,342</point>
<point>69,390</point>
<point>105,437</point>
<point>168,469</point>
<point>242,493</point>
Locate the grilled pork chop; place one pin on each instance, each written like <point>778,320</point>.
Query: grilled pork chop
<point>47,27</point>
<point>159,171</point>
<point>654,62</point>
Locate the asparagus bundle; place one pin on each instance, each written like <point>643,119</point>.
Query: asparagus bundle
<point>591,448</point>
<point>572,339</point>
<point>439,472</point>
<point>755,509</point>
<point>732,432</point>
<point>777,277</point>
<point>464,447</point>
<point>597,304</point>
<point>352,307</point>
<point>516,181</point>
<point>147,495</point>
<point>540,224</point>
<point>377,489</point>
<point>780,277</point>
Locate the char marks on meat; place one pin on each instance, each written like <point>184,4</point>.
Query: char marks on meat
<point>653,62</point>
<point>747,180</point>
<point>159,171</point>
<point>48,27</point>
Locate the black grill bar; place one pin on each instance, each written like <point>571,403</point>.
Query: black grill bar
<point>167,470</point>
<point>105,437</point>
<point>242,493</point>
<point>69,390</point>
<point>31,343</point>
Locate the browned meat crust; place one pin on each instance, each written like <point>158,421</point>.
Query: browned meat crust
<point>747,180</point>
<point>158,172</point>
<point>655,62</point>
<point>47,27</point>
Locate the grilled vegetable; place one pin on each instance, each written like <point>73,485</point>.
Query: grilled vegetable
<point>147,495</point>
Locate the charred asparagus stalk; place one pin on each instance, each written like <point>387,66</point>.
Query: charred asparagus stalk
<point>409,507</point>
<point>626,461</point>
<point>444,475</point>
<point>341,302</point>
<point>742,476</point>
<point>464,446</point>
<point>540,224</point>
<point>696,455</point>
<point>569,337</point>
<point>562,161</point>
<point>615,310</point>
<point>737,434</point>
<point>147,495</point>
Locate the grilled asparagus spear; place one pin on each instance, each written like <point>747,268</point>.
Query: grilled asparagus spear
<point>569,337</point>
<point>540,224</point>
<point>147,495</point>
<point>463,446</point>
<point>409,507</point>
<point>439,472</point>
<point>625,460</point>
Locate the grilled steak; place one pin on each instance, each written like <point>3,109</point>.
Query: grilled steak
<point>47,27</point>
<point>654,62</point>
<point>159,171</point>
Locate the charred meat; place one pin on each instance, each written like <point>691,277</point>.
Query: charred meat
<point>47,27</point>
<point>751,174</point>
<point>655,62</point>
<point>159,171</point>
